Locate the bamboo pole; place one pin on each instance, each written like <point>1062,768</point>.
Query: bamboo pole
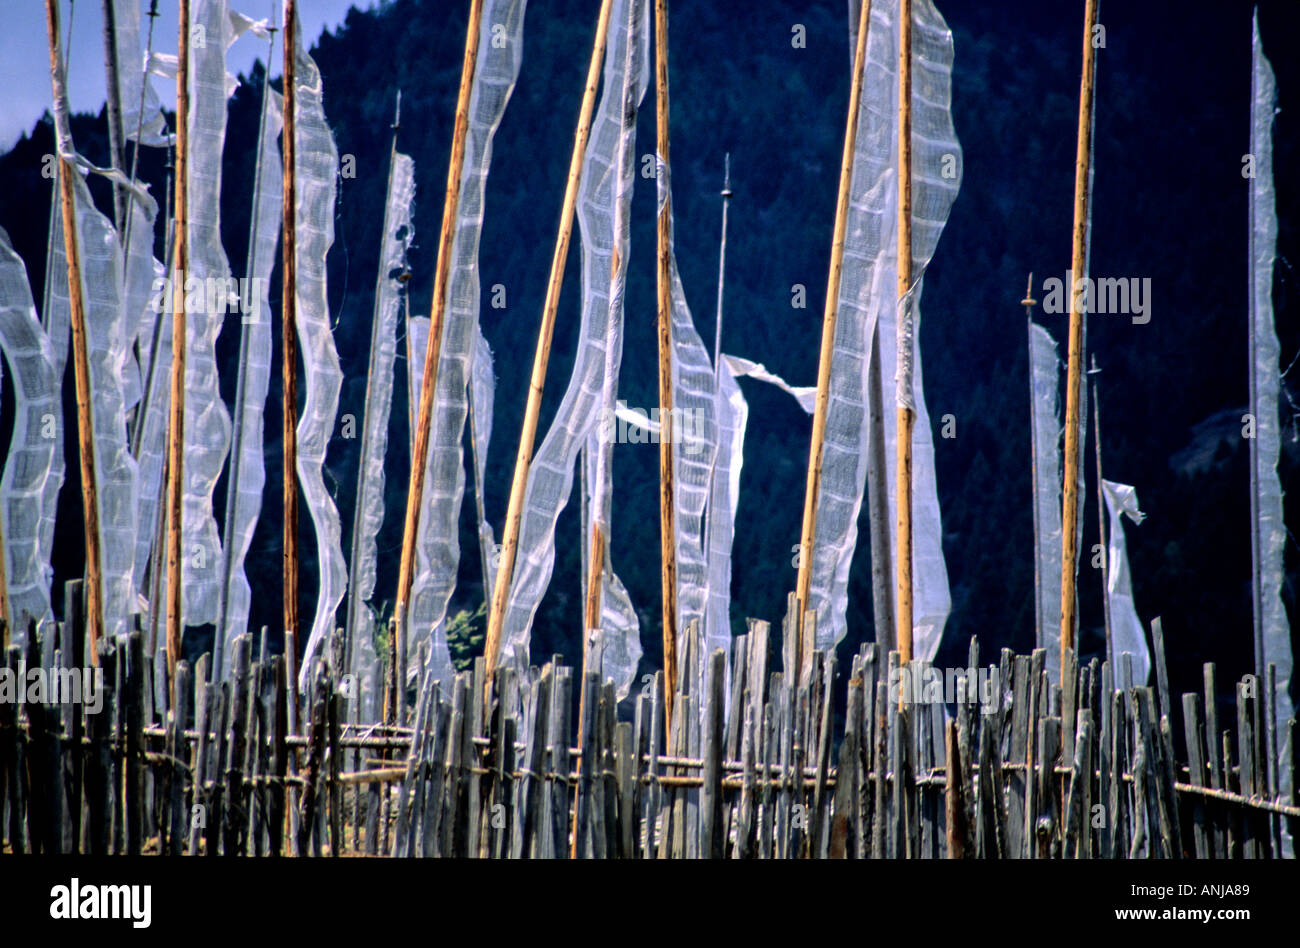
<point>595,570</point>
<point>1073,387</point>
<point>906,415</point>
<point>1101,511</point>
<point>176,426</point>
<point>663,286</point>
<point>289,333</point>
<point>433,351</point>
<point>80,358</point>
<point>523,459</point>
<point>829,316</point>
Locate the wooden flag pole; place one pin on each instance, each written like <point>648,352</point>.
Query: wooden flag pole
<point>663,285</point>
<point>523,459</point>
<point>80,360</point>
<point>829,316</point>
<point>289,333</point>
<point>595,570</point>
<point>433,351</point>
<point>906,415</point>
<point>1074,370</point>
<point>176,427</point>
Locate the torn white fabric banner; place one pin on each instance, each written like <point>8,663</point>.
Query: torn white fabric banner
<point>108,354</point>
<point>28,489</point>
<point>805,395</point>
<point>207,421</point>
<point>369,514</point>
<point>868,307</point>
<point>142,118</point>
<point>247,475</point>
<point>694,447</point>
<point>437,554</point>
<point>604,196</point>
<point>1045,437</point>
<point>1273,631</point>
<point>732,414</point>
<point>1126,628</point>
<point>481,408</point>
<point>317,164</point>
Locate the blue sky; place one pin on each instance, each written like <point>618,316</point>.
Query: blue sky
<point>24,56</point>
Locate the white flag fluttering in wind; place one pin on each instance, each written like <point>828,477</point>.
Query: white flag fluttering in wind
<point>133,80</point>
<point>732,414</point>
<point>437,551</point>
<point>28,488</point>
<point>316,182</point>
<point>481,407</point>
<point>610,235</point>
<point>206,416</point>
<point>110,331</point>
<point>248,469</point>
<point>1126,628</point>
<point>397,237</point>
<point>603,201</point>
<point>868,312</point>
<point>1273,630</point>
<point>207,421</point>
<point>1045,435</point>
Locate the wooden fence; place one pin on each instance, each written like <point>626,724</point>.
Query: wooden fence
<point>989,761</point>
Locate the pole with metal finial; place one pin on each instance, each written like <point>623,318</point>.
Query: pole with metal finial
<point>1029,303</point>
<point>717,332</point>
<point>1095,373</point>
<point>722,266</point>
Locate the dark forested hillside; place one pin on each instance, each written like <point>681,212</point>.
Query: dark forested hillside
<point>1170,205</point>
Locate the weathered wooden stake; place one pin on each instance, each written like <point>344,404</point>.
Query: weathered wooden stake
<point>663,287</point>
